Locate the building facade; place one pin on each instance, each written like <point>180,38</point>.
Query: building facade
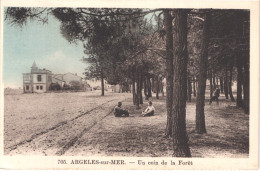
<point>58,78</point>
<point>69,77</point>
<point>38,81</point>
<point>42,80</point>
<point>73,81</point>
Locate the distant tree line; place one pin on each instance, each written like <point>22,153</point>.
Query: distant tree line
<point>72,85</point>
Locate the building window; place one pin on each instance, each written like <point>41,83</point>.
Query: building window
<point>39,78</point>
<point>41,87</point>
<point>37,87</point>
<point>27,87</point>
<point>26,77</point>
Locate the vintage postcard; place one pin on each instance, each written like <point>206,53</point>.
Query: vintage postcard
<point>129,84</point>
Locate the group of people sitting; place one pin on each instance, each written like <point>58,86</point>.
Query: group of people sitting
<point>149,111</point>
<point>120,112</point>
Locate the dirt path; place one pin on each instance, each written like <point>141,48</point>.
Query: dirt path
<point>59,137</point>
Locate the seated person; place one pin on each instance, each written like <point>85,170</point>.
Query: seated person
<point>149,111</point>
<point>119,112</point>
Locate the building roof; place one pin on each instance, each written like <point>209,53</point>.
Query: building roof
<point>75,75</point>
<point>34,65</point>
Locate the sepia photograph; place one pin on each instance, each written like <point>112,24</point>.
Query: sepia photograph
<point>133,83</point>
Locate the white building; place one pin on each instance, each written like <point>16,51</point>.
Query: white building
<point>38,80</point>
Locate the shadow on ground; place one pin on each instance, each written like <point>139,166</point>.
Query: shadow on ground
<point>227,133</point>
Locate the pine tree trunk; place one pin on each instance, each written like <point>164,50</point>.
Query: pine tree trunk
<point>239,102</point>
<point>102,83</point>
<point>230,85</point>
<point>153,85</point>
<point>214,80</point>
<point>137,95</point>
<point>133,85</point>
<point>161,86</point>
<point>194,87</point>
<point>149,87</point>
<point>157,87</point>
<point>246,85</point>
<point>141,88</point>
<point>226,84</point>
<point>169,71</point>
<point>202,78</point>
<point>145,88</point>
<point>189,89</point>
<point>221,85</point>
<point>137,105</point>
<point>180,138</point>
<point>210,82</point>
<point>128,86</point>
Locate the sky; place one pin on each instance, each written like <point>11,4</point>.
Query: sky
<point>43,44</point>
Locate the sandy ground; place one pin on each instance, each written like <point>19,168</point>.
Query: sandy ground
<point>82,124</point>
<point>30,116</point>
